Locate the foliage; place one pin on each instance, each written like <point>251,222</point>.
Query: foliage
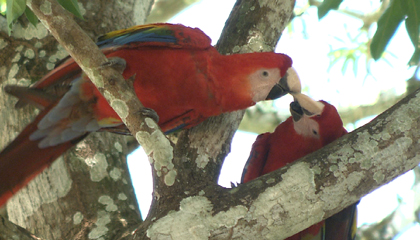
<point>396,12</point>
<point>15,8</point>
<point>326,6</point>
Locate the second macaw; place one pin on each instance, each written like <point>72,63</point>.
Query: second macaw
<point>311,126</point>
<point>174,70</point>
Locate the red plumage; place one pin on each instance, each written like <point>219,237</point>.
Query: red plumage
<point>176,72</point>
<point>312,126</point>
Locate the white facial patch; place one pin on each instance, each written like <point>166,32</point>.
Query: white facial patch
<point>262,81</point>
<point>307,127</point>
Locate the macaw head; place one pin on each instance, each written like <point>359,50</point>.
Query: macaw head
<point>270,75</point>
<point>316,119</point>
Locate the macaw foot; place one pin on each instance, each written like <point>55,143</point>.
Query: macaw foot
<point>148,112</point>
<point>116,63</point>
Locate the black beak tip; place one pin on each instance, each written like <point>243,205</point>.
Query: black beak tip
<point>296,110</point>
<point>276,92</point>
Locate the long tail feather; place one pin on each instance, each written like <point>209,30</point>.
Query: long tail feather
<point>22,159</point>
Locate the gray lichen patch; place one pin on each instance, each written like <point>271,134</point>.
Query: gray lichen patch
<point>13,71</point>
<point>150,123</point>
<point>194,220</point>
<point>97,78</point>
<point>256,43</point>
<point>115,174</point>
<point>29,53</point>
<point>16,58</point>
<point>120,107</point>
<point>98,165</point>
<point>202,159</point>
<point>378,177</point>
<point>297,187</point>
<point>365,143</point>
<point>170,177</point>
<point>122,197</point>
<point>77,218</point>
<point>103,218</point>
<point>46,8</point>
<point>107,200</point>
<point>29,31</point>
<point>3,43</point>
<point>159,150</point>
<point>118,146</point>
<point>337,193</point>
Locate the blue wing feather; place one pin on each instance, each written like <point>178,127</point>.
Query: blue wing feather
<point>140,35</point>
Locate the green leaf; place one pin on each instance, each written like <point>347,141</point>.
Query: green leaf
<point>326,6</point>
<point>412,10</point>
<point>31,16</point>
<point>71,6</point>
<point>387,25</point>
<point>15,9</point>
<point>412,23</point>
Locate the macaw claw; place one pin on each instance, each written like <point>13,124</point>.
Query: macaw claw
<point>148,112</point>
<point>116,63</point>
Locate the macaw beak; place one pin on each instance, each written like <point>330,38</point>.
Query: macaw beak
<point>289,83</point>
<point>296,110</point>
<point>279,90</point>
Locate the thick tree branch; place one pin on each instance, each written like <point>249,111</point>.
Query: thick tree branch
<point>8,230</point>
<point>90,193</point>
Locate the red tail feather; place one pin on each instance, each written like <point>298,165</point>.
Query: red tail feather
<point>22,160</point>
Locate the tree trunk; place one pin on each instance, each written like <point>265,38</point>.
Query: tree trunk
<point>188,203</point>
<point>87,193</point>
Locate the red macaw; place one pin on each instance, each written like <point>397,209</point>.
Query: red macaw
<point>311,126</point>
<point>174,70</point>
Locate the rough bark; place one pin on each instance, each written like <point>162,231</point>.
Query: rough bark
<point>189,204</point>
<point>88,192</point>
<point>9,230</point>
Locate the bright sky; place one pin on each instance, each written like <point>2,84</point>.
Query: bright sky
<point>309,50</point>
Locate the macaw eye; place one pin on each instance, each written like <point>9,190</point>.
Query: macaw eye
<point>265,73</point>
<point>315,132</point>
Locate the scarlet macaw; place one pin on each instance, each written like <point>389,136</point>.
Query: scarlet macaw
<point>175,71</point>
<point>311,126</point>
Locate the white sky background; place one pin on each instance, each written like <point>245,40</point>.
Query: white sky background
<point>309,53</point>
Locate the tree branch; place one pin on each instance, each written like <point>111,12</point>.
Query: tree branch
<point>8,230</point>
<point>109,81</point>
<point>281,203</point>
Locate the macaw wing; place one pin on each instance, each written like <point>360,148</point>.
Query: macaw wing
<point>151,35</point>
<point>342,225</point>
<point>257,158</point>
<point>155,35</point>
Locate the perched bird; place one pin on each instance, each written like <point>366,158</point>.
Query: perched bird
<point>173,69</point>
<point>312,126</point>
